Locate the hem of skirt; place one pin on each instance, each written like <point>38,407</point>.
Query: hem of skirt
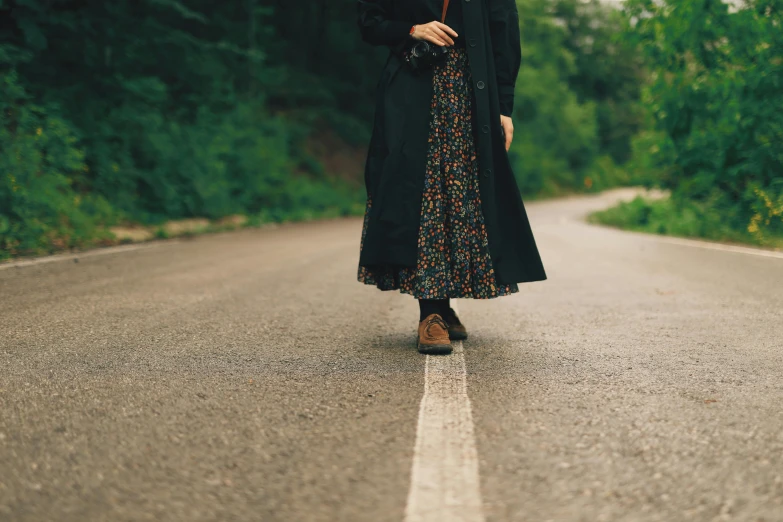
<point>439,296</point>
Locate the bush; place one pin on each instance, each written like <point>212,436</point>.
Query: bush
<point>715,101</point>
<point>40,160</point>
<point>217,165</point>
<point>209,109</point>
<point>555,136</point>
<point>241,161</point>
<point>705,219</point>
<point>577,98</point>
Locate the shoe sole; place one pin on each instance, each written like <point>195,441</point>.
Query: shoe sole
<point>435,349</point>
<point>458,336</point>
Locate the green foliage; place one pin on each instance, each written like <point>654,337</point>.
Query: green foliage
<point>607,70</point>
<point>168,112</point>
<point>715,101</point>
<point>165,109</point>
<point>555,136</point>
<point>653,155</point>
<point>686,218</point>
<point>39,159</point>
<point>576,98</point>
<point>216,165</point>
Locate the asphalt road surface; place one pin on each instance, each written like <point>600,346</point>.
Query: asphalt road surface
<point>247,376</point>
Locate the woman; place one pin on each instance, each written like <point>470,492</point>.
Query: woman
<point>444,216</point>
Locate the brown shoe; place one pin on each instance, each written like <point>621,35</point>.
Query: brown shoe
<point>434,336</point>
<point>457,330</point>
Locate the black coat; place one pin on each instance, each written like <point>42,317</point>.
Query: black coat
<point>394,173</point>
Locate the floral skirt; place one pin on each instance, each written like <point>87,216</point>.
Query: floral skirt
<point>453,256</point>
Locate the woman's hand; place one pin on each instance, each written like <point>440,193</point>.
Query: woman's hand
<point>508,130</point>
<point>435,32</point>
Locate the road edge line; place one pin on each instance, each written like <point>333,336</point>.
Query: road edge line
<point>119,249</point>
<point>695,243</point>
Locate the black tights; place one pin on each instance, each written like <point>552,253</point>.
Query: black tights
<point>428,307</point>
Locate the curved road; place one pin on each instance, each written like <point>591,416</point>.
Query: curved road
<point>247,376</point>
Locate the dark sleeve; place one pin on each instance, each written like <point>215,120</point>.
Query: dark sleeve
<point>375,25</point>
<point>507,48</point>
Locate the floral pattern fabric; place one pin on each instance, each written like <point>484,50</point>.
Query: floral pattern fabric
<point>453,259</point>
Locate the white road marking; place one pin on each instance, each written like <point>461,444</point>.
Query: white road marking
<point>445,474</point>
<point>721,247</point>
<point>695,243</point>
<point>82,255</point>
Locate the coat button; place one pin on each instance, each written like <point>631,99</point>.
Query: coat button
<point>485,129</point>
<point>487,173</point>
<point>480,85</point>
<point>472,42</point>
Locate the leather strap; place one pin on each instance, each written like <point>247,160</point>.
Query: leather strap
<point>445,10</point>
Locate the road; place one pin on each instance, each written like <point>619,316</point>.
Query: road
<point>247,376</point>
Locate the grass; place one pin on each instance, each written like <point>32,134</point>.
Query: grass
<point>683,219</point>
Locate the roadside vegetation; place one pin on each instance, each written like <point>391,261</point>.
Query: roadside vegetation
<point>693,219</point>
<point>120,116</point>
<point>715,109</point>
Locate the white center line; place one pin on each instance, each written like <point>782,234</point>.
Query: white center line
<point>445,474</point>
